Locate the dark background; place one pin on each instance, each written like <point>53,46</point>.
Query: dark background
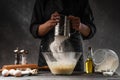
<point>15,16</point>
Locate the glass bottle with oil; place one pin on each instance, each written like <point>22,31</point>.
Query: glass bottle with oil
<point>89,62</point>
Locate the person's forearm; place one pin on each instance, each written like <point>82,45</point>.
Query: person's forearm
<point>46,27</point>
<point>43,29</point>
<point>84,30</point>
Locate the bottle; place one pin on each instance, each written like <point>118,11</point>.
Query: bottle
<point>17,56</point>
<point>89,62</point>
<point>23,56</point>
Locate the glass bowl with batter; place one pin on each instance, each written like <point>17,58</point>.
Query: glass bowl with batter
<point>64,63</point>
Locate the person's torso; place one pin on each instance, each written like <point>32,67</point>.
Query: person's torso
<point>65,7</point>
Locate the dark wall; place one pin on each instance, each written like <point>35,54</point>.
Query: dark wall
<point>15,16</point>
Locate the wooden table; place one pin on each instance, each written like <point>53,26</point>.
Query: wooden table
<point>75,76</point>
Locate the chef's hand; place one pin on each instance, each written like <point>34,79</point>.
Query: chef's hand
<point>75,22</point>
<point>48,25</point>
<point>53,20</point>
<point>77,25</point>
<point>55,16</point>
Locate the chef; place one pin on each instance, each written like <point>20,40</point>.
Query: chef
<point>46,15</point>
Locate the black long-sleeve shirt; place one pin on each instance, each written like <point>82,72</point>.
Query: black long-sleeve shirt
<point>42,12</point>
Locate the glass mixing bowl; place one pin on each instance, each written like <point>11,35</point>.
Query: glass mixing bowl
<point>105,60</point>
<point>64,64</point>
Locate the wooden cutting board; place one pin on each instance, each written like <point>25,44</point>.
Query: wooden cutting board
<point>19,66</point>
